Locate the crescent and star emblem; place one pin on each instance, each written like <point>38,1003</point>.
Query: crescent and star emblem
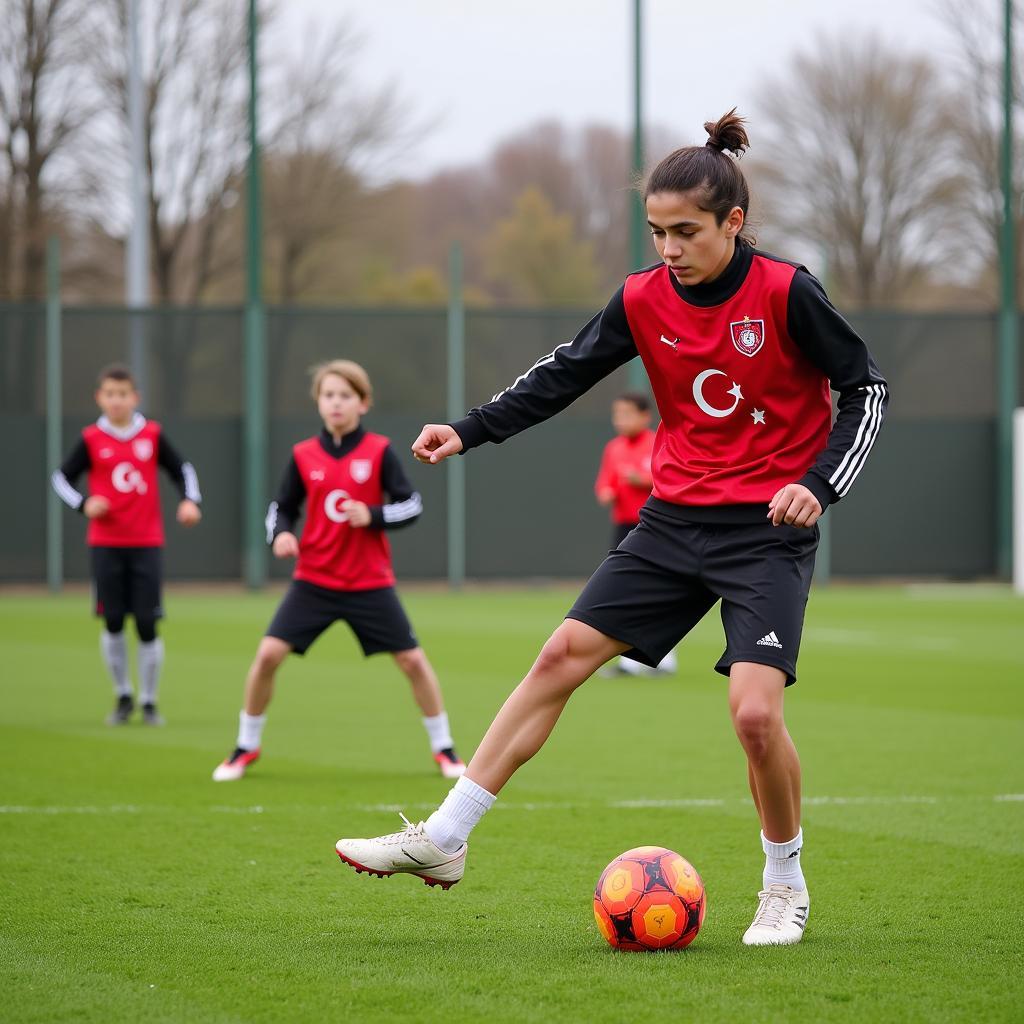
<point>332,506</point>
<point>705,406</point>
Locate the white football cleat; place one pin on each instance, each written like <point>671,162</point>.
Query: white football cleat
<point>410,851</point>
<point>450,763</point>
<point>780,918</point>
<point>233,767</point>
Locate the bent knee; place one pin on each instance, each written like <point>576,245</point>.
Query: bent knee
<point>410,661</point>
<point>574,648</point>
<point>555,654</point>
<point>271,652</point>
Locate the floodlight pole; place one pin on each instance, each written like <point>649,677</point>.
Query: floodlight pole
<point>136,270</point>
<point>1008,321</point>
<point>255,446</point>
<point>638,215</point>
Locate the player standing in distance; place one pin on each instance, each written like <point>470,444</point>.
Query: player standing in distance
<point>624,484</point>
<point>344,561</point>
<point>740,348</point>
<point>121,452</point>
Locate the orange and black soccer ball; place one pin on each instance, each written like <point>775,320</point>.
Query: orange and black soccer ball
<point>649,898</point>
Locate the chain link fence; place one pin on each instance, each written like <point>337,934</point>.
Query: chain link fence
<point>924,505</point>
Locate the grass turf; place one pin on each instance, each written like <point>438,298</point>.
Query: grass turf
<point>135,888</point>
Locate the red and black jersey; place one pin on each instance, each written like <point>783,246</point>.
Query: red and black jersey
<point>122,467</point>
<point>741,369</point>
<point>622,457</point>
<point>323,475</point>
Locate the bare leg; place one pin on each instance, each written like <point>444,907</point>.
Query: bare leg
<point>773,768</point>
<point>426,690</point>
<point>573,653</point>
<point>259,683</point>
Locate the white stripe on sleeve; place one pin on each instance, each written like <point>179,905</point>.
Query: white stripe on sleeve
<point>870,423</point>
<point>543,361</point>
<point>400,511</point>
<point>271,521</point>
<point>66,493</point>
<point>188,471</point>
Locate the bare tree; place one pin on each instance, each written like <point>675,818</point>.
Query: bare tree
<point>859,162</point>
<point>977,119</point>
<point>194,52</point>
<point>42,108</point>
<point>323,138</point>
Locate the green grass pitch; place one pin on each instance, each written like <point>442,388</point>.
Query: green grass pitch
<point>134,888</point>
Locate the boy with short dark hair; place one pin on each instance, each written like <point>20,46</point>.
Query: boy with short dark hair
<point>121,452</point>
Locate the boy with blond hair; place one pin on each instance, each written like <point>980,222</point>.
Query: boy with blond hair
<point>355,490</point>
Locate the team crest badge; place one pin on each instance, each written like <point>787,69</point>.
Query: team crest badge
<point>143,448</point>
<point>747,335</point>
<point>360,470</point>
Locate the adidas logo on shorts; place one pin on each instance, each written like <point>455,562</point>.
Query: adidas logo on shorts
<point>770,640</point>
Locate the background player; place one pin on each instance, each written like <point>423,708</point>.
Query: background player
<point>740,348</point>
<point>624,484</point>
<point>121,452</point>
<point>344,561</point>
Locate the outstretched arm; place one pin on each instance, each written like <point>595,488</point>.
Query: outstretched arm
<point>552,383</point>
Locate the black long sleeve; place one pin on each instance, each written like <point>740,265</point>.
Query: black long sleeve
<point>832,345</point>
<point>181,472</point>
<point>404,504</point>
<point>63,479</point>
<point>284,510</point>
<point>554,381</point>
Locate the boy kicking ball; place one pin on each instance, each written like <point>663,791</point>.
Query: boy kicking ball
<point>742,350</point>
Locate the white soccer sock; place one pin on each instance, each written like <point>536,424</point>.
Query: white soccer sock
<point>438,732</point>
<point>250,730</point>
<point>151,661</point>
<point>466,803</point>
<point>782,862</point>
<point>115,656</point>
<point>633,668</point>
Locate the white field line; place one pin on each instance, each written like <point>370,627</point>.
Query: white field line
<point>619,805</point>
<point>866,638</point>
<point>956,591</point>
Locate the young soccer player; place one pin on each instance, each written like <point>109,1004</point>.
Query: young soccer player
<point>624,484</point>
<point>740,348</point>
<point>355,489</point>
<point>121,452</point>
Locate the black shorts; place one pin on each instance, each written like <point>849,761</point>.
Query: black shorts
<point>375,616</point>
<point>127,581</point>
<point>667,574</point>
<point>620,531</point>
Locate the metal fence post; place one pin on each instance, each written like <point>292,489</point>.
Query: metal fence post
<point>1009,342</point>
<point>456,409</point>
<point>54,410</point>
<point>255,445</point>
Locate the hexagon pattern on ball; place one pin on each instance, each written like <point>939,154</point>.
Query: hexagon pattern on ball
<point>649,899</point>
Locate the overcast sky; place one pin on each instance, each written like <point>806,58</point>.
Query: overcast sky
<point>480,71</point>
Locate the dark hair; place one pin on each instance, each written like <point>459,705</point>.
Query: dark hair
<point>707,170</point>
<point>637,398</point>
<point>115,371</point>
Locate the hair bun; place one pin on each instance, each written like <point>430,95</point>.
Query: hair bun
<point>727,133</point>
